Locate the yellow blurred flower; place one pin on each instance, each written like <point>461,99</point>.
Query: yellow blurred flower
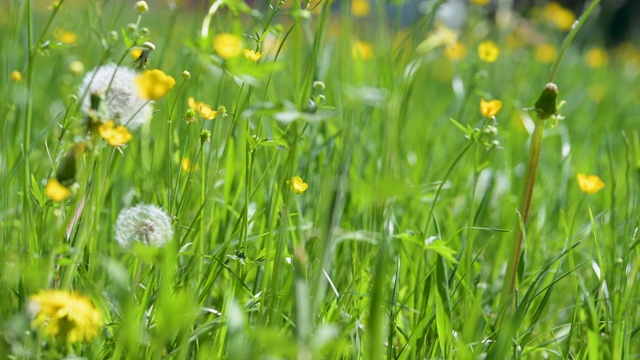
<point>76,67</point>
<point>559,16</point>
<point>65,37</point>
<point>480,2</point>
<point>16,76</point>
<point>228,46</point>
<point>64,315</point>
<point>546,53</point>
<point>362,50</point>
<point>154,84</point>
<point>115,136</point>
<point>187,166</point>
<point>455,52</point>
<point>56,191</point>
<point>252,55</point>
<point>491,108</point>
<point>488,51</point>
<point>204,109</point>
<point>590,184</point>
<point>360,8</point>
<point>596,58</point>
<point>297,185</point>
<point>135,53</point>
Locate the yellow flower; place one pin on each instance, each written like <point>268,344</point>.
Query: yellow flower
<point>228,46</point>
<point>252,55</point>
<point>488,51</point>
<point>297,185</point>
<point>590,184</point>
<point>362,50</point>
<point>56,191</point>
<point>135,53</point>
<point>204,109</point>
<point>480,2</point>
<point>115,136</point>
<point>491,108</point>
<point>76,67</point>
<point>559,16</point>
<point>65,37</point>
<point>596,58</point>
<point>67,316</point>
<point>455,52</point>
<point>188,166</point>
<point>546,53</point>
<point>154,84</point>
<point>360,8</point>
<point>16,76</point>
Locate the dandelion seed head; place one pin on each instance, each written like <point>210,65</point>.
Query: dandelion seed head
<point>122,101</point>
<point>147,224</point>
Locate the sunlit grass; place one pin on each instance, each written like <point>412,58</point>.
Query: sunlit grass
<point>313,181</point>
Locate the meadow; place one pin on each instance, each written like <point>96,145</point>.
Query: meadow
<point>316,180</point>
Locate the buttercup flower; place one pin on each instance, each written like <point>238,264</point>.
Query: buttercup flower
<point>491,108</point>
<point>204,109</point>
<point>154,84</point>
<point>297,185</point>
<point>360,8</point>
<point>56,191</point>
<point>64,315</point>
<point>252,55</point>
<point>227,46</point>
<point>16,76</point>
<point>115,136</point>
<point>122,103</point>
<point>480,2</point>
<point>65,37</point>
<point>456,51</point>
<point>559,16</point>
<point>187,166</point>
<point>596,58</point>
<point>546,53</point>
<point>590,184</point>
<point>147,224</point>
<point>488,51</point>
<point>362,50</point>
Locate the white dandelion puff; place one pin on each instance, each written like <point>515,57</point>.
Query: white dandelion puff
<point>147,224</point>
<point>121,100</point>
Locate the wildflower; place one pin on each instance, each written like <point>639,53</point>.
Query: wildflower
<point>135,53</point>
<point>205,136</point>
<point>204,109</point>
<point>252,55</point>
<point>16,76</point>
<point>67,316</point>
<point>56,191</point>
<point>187,166</point>
<point>480,2</point>
<point>122,103</point>
<point>115,136</point>
<point>228,46</point>
<point>147,224</point>
<point>360,8</point>
<point>590,184</point>
<point>488,51</point>
<point>297,185</point>
<point>362,50</point>
<point>456,51</point>
<point>559,16</point>
<point>154,84</point>
<point>546,53</point>
<point>596,58</point>
<point>142,7</point>
<point>65,37</point>
<point>491,108</point>
<point>76,67</point>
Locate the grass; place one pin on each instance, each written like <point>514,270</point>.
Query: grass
<point>398,248</point>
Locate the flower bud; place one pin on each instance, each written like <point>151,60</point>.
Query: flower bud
<point>546,104</point>
<point>186,75</point>
<point>142,7</point>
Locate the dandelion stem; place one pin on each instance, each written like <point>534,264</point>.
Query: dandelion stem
<point>569,39</point>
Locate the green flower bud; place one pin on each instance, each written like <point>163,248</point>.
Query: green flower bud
<point>546,104</point>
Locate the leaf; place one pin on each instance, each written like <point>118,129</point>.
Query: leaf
<point>36,192</point>
<point>443,250</point>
